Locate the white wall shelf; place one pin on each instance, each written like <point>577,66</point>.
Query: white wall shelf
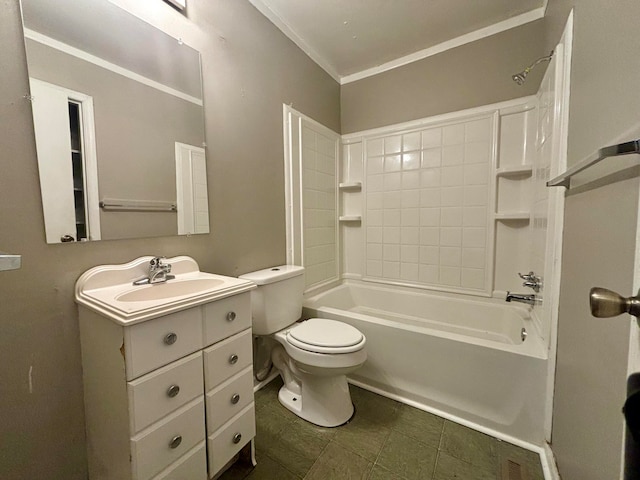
<point>514,171</point>
<point>512,216</point>
<point>350,218</point>
<point>350,186</point>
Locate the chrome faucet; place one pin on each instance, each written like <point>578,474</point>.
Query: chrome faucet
<point>158,272</point>
<point>518,297</point>
<point>531,280</point>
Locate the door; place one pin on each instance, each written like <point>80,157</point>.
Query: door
<point>592,353</point>
<point>53,144</point>
<point>191,189</point>
<point>65,143</point>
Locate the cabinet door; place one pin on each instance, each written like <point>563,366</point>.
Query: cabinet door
<point>226,317</point>
<point>158,342</point>
<point>193,466</point>
<point>228,441</point>
<point>227,358</point>
<point>229,398</point>
<point>163,391</point>
<point>167,441</point>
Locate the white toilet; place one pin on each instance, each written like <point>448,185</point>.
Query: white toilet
<point>313,356</point>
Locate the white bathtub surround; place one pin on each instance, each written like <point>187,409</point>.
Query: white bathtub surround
<point>445,201</point>
<point>311,162</point>
<point>464,360</point>
<point>428,205</point>
<point>436,217</point>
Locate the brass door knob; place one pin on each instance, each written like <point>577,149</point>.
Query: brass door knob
<point>606,303</point>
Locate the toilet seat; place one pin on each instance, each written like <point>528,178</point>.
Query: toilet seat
<point>320,335</point>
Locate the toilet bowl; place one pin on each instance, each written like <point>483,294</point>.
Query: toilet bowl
<point>313,356</point>
<point>315,383</point>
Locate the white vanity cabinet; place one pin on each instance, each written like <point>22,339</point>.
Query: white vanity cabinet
<point>167,396</point>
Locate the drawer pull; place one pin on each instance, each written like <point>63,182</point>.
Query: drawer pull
<point>237,437</point>
<point>173,391</point>
<point>175,441</point>
<point>233,359</point>
<point>235,398</point>
<point>231,316</point>
<point>170,338</point>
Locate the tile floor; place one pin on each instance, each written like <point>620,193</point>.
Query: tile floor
<point>386,440</point>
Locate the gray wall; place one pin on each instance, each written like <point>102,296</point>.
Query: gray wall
<point>471,75</point>
<point>250,69</point>
<point>599,238</point>
<point>136,130</point>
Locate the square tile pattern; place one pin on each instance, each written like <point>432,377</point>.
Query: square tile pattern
<point>427,205</point>
<point>386,440</point>
<point>319,206</point>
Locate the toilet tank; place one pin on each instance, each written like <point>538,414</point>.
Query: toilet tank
<point>277,302</point>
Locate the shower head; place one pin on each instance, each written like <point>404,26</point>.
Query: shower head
<point>520,77</point>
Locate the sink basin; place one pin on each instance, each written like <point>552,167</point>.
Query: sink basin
<point>169,289</point>
<point>108,289</point>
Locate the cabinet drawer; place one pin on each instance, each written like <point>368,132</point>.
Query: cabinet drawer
<point>226,317</point>
<point>228,441</point>
<point>162,391</point>
<point>227,358</point>
<point>155,449</point>
<point>229,398</point>
<point>193,466</point>
<point>160,341</point>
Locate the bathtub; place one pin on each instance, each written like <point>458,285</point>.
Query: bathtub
<point>460,357</point>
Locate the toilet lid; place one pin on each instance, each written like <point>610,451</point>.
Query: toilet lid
<point>326,336</point>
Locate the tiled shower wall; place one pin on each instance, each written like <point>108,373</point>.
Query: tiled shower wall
<point>428,214</point>
<point>319,161</point>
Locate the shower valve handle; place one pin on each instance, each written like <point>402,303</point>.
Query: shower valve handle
<point>531,280</point>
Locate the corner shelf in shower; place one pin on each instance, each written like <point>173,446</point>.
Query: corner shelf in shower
<point>350,218</point>
<point>515,171</point>
<point>350,186</point>
<point>504,216</point>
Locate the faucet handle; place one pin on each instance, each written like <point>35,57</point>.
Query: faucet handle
<point>531,280</point>
<point>156,262</point>
<point>529,277</point>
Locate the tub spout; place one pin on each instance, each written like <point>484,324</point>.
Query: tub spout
<point>517,297</point>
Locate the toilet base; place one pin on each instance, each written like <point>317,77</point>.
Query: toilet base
<point>325,401</point>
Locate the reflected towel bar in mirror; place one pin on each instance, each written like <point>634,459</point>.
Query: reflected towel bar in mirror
<point>137,206</point>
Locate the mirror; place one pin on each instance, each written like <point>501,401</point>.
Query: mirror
<point>119,123</point>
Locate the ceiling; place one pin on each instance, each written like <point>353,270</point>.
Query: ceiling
<point>89,27</point>
<point>352,39</point>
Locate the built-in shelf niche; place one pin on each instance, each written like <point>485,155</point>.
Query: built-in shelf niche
<point>512,216</point>
<point>514,196</point>
<point>514,171</point>
<point>514,191</point>
<point>350,186</point>
<point>350,218</point>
